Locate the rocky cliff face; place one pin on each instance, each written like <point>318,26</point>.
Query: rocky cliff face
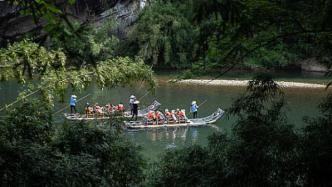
<point>125,13</point>
<point>13,25</point>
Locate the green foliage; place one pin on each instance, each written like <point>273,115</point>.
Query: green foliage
<point>90,44</point>
<point>220,34</point>
<point>26,60</point>
<point>118,162</point>
<point>33,152</point>
<point>316,147</point>
<point>263,151</point>
<point>30,122</point>
<point>187,74</point>
<point>185,167</point>
<point>163,36</point>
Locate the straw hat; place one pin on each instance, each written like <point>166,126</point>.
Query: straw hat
<point>132,97</point>
<point>194,102</point>
<point>136,102</point>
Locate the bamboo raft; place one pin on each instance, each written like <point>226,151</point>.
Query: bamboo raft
<point>190,122</point>
<point>106,116</point>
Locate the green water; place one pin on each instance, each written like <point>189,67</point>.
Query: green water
<point>300,103</point>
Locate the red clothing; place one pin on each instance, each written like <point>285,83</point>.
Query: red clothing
<point>151,115</point>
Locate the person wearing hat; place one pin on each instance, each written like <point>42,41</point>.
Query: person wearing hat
<point>135,110</point>
<point>72,104</point>
<point>132,99</point>
<point>194,109</point>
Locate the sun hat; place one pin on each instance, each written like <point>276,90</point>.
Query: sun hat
<point>194,102</point>
<point>73,96</point>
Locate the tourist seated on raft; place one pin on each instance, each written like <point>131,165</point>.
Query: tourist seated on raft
<point>109,108</point>
<point>170,117</point>
<point>88,110</point>
<point>154,118</point>
<point>181,116</point>
<point>98,110</point>
<point>120,108</point>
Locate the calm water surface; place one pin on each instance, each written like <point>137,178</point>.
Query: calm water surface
<point>300,103</point>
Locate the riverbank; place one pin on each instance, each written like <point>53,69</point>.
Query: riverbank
<point>219,82</point>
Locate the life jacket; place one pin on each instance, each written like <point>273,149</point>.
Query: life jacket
<point>180,114</point>
<point>168,114</point>
<point>120,107</point>
<point>157,115</point>
<point>151,115</point>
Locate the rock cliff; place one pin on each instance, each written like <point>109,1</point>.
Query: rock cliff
<point>13,25</point>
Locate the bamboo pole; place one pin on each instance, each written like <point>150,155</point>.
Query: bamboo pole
<point>19,100</point>
<point>67,106</point>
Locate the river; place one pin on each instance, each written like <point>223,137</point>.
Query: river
<point>300,102</point>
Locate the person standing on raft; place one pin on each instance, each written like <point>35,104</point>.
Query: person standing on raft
<point>72,104</point>
<point>194,109</point>
<point>131,102</point>
<point>135,110</point>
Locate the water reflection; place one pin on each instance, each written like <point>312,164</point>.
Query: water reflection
<point>168,138</point>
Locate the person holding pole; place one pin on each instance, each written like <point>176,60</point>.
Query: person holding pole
<point>194,109</point>
<point>72,104</point>
<point>132,99</point>
<point>135,110</point>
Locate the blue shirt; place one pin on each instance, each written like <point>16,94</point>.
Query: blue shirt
<point>194,108</point>
<point>72,101</point>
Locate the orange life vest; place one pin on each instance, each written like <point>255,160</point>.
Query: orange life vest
<point>180,113</point>
<point>157,115</point>
<point>120,107</point>
<point>168,114</point>
<point>151,115</point>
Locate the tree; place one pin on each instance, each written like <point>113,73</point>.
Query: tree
<point>184,167</point>
<point>316,147</point>
<point>34,152</point>
<point>27,60</point>
<point>163,36</point>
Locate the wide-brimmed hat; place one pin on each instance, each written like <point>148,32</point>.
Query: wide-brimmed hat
<point>73,96</point>
<point>132,97</point>
<point>194,102</point>
<point>136,102</point>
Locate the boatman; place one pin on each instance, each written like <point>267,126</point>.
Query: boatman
<point>131,102</point>
<point>194,109</point>
<point>135,110</point>
<point>72,104</point>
